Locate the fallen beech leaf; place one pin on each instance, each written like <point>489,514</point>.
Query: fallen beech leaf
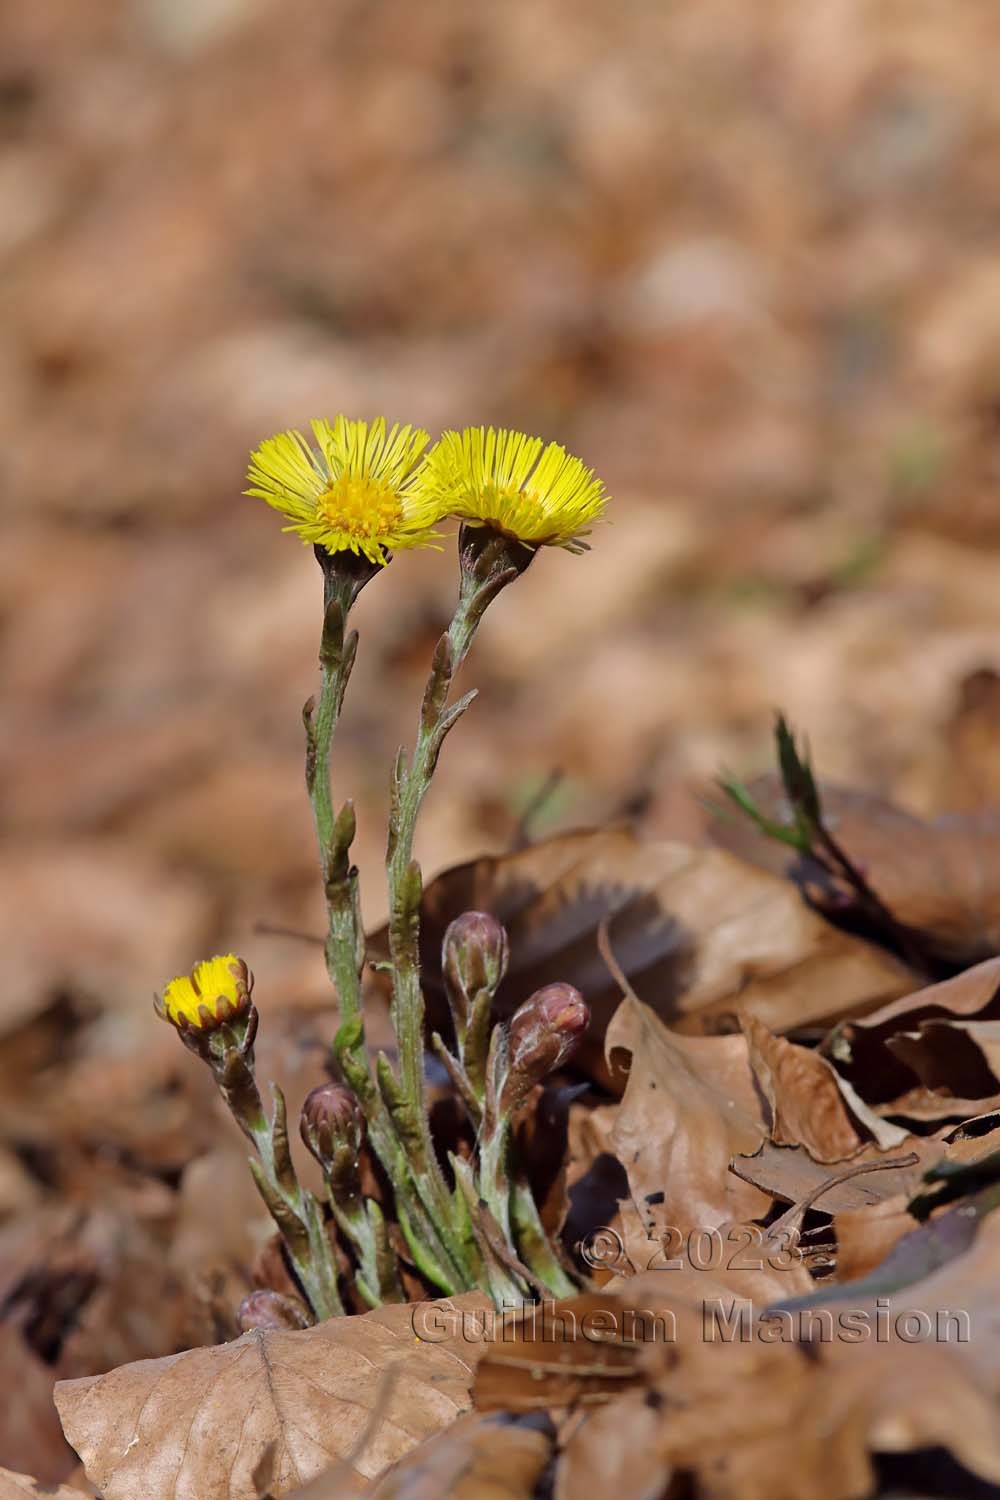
<point>613,1450</point>
<point>817,1422</point>
<point>886,1135</point>
<point>941,879</point>
<point>29,1428</point>
<point>921,1106</point>
<point>587,1349</point>
<point>815,1417</point>
<point>806,1104</point>
<point>689,1106</point>
<point>872,1055</point>
<point>974,1139</point>
<point>701,935</point>
<point>790,1174</point>
<point>17,1486</point>
<point>477,1458</point>
<point>954,1302</point>
<point>866,1235</point>
<point>793,1219</point>
<point>195,1425</point>
<point>916,1257</point>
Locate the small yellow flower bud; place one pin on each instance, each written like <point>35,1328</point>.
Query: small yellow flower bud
<point>215,992</point>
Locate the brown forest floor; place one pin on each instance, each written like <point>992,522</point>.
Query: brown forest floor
<point>742,259</point>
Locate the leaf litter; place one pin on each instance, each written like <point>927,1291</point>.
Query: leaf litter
<point>737,1152</point>
<point>125,827</point>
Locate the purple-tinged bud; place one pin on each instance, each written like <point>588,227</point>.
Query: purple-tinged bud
<point>264,1309</point>
<point>542,1035</point>
<point>332,1125</point>
<point>473,961</point>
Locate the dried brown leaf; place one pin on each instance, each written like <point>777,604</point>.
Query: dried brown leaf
<point>701,935</point>
<point>689,1106</point>
<point>883,1057</point>
<point>790,1174</point>
<point>940,878</point>
<point>806,1104</point>
<point>586,1349</point>
<point>29,1429</point>
<point>17,1486</point>
<point>614,1449</point>
<point>817,1421</point>
<point>866,1235</point>
<point>477,1458</point>
<point>812,1409</point>
<point>201,1421</point>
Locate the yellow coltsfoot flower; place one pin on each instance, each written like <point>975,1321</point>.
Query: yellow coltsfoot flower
<point>355,492</point>
<point>535,492</point>
<point>216,991</point>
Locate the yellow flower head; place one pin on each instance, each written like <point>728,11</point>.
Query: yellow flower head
<point>217,990</point>
<point>357,493</point>
<point>537,493</point>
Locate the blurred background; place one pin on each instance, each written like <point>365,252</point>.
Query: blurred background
<point>742,259</point>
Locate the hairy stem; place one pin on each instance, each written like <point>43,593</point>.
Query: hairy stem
<point>411,783</point>
<point>297,1214</point>
<point>344,945</point>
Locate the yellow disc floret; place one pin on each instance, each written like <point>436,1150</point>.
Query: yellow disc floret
<point>537,493</point>
<point>217,990</point>
<point>355,492</point>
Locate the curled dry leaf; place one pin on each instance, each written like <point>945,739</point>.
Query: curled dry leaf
<point>689,1106</point>
<point>493,1457</point>
<point>613,1450</point>
<point>701,935</point>
<point>478,1458</point>
<point>197,1424</point>
<point>29,1428</point>
<point>817,1420</point>
<point>939,878</point>
<point>818,1407</point>
<point>810,1104</point>
<point>806,1104</point>
<point>17,1486</point>
<point>790,1174</point>
<point>936,1287</point>
<point>883,1056</point>
<point>866,1235</point>
<point>974,1139</point>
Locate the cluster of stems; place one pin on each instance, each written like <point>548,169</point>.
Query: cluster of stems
<point>469,1221</point>
<point>228,1050</point>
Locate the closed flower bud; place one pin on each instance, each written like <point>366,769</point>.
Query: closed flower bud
<point>216,992</point>
<point>542,1035</point>
<point>264,1309</point>
<point>473,960</point>
<point>332,1125</point>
